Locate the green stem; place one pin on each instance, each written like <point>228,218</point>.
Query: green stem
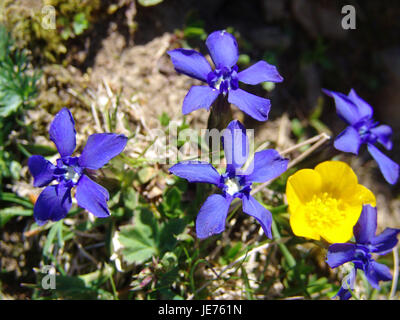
<point>285,251</point>
<point>220,114</point>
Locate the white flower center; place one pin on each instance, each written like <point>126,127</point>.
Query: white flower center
<point>217,84</point>
<point>71,174</point>
<point>233,186</point>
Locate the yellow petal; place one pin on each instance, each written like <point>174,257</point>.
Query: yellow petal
<point>298,223</point>
<point>301,186</point>
<point>364,196</point>
<point>338,179</point>
<point>343,231</point>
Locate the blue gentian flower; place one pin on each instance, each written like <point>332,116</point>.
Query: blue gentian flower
<point>234,183</point>
<point>363,129</point>
<point>360,252</point>
<point>224,79</point>
<point>55,201</point>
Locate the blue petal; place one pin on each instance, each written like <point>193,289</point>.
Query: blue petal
<point>212,216</point>
<point>92,197</point>
<point>364,109</point>
<point>253,208</point>
<point>388,167</point>
<point>385,241</point>
<point>191,63</point>
<point>384,134</point>
<point>199,97</point>
<point>376,272</point>
<point>365,228</point>
<point>195,171</point>
<point>345,108</point>
<point>340,253</point>
<point>223,49</point>
<point>347,283</point>
<point>101,148</point>
<point>256,107</point>
<point>260,72</point>
<point>266,165</point>
<point>348,141</point>
<point>52,204</point>
<point>62,132</point>
<point>236,145</point>
<point>41,170</point>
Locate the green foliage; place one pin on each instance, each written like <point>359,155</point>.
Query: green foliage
<point>147,237</point>
<point>79,24</point>
<point>18,87</point>
<point>17,81</point>
<point>318,55</point>
<point>147,248</point>
<point>194,28</point>
<point>26,20</point>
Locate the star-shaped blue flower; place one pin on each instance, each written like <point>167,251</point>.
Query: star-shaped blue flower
<point>360,252</point>
<point>363,129</point>
<point>224,79</point>
<point>234,183</point>
<point>55,201</point>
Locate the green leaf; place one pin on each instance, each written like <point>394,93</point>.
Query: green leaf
<point>173,198</point>
<point>80,23</point>
<point>148,3</point>
<point>54,231</point>
<point>8,213</point>
<point>130,199</point>
<point>140,240</point>
<point>169,233</point>
<point>40,149</point>
<point>9,103</point>
<point>164,119</point>
<point>195,32</point>
<point>244,60</point>
<point>297,128</point>
<point>268,86</point>
<point>11,197</point>
<point>68,287</point>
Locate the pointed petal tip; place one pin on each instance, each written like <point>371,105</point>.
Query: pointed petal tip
<point>256,107</point>
<point>223,48</point>
<point>92,197</point>
<point>100,148</point>
<point>62,132</point>
<point>389,169</point>
<point>212,215</point>
<point>190,63</point>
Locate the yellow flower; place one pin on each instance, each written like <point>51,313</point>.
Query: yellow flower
<point>326,202</point>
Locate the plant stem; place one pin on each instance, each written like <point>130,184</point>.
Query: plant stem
<point>220,114</point>
<point>395,273</point>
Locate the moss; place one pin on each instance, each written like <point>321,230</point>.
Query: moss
<point>31,23</point>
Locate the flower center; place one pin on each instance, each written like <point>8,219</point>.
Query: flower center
<point>232,186</point>
<point>224,79</point>
<point>364,130</point>
<point>324,211</point>
<point>72,174</point>
<point>68,170</point>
